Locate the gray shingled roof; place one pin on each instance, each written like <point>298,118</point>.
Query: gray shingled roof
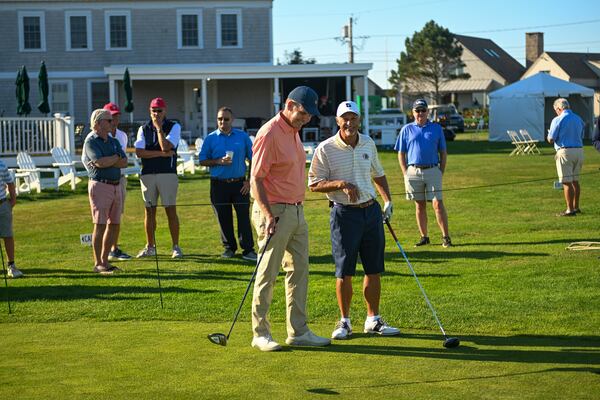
<point>574,64</point>
<point>505,65</point>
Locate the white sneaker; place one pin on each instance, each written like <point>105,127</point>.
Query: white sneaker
<point>13,271</point>
<point>308,339</point>
<point>148,251</point>
<point>380,327</point>
<point>342,331</point>
<point>265,343</point>
<point>177,253</point>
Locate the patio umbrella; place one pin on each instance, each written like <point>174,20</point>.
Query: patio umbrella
<point>43,90</point>
<point>128,93</point>
<point>22,83</point>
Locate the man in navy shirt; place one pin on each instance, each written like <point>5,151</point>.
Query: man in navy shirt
<point>225,151</point>
<point>566,134</point>
<point>422,154</point>
<point>104,157</point>
<point>156,146</point>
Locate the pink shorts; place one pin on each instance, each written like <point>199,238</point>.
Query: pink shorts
<point>106,202</point>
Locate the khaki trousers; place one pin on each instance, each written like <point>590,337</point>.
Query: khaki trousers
<point>288,248</point>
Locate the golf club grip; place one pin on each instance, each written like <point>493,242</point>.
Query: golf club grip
<point>387,222</point>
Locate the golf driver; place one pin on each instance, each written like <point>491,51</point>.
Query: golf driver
<point>5,280</point>
<point>220,338</point>
<point>449,342</point>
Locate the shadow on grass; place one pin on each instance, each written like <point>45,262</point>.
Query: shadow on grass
<point>334,390</point>
<point>165,274</point>
<point>524,349</point>
<point>79,292</point>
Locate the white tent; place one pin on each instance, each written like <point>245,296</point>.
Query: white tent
<point>527,104</point>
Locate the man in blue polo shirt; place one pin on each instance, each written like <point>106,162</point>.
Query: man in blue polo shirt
<point>566,133</point>
<point>422,154</point>
<point>104,158</point>
<point>225,151</point>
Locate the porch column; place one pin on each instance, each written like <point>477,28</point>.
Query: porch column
<point>112,91</point>
<point>348,87</point>
<point>276,96</point>
<point>366,105</point>
<point>204,110</point>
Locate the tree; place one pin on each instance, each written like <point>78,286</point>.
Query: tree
<point>432,57</point>
<point>295,57</point>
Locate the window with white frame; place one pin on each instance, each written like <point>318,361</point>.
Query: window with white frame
<point>32,31</point>
<point>117,28</point>
<point>60,97</point>
<point>78,30</point>
<point>99,94</point>
<point>229,28</point>
<point>189,29</point>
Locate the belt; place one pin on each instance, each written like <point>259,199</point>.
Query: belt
<point>570,147</point>
<point>366,204</point>
<point>108,182</point>
<point>298,203</point>
<point>230,180</point>
<point>423,166</point>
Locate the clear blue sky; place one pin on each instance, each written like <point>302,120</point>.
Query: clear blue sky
<point>311,26</point>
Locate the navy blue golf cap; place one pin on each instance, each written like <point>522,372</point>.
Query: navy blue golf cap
<point>419,103</point>
<point>307,97</point>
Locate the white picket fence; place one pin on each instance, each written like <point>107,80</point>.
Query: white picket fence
<point>36,136</point>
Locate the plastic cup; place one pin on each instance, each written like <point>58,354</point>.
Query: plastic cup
<point>229,154</point>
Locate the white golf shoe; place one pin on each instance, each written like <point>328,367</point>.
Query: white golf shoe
<point>265,343</point>
<point>380,327</point>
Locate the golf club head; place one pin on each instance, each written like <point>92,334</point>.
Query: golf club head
<point>451,342</point>
<point>218,338</point>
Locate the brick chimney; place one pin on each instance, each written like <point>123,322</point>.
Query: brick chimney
<point>534,47</point>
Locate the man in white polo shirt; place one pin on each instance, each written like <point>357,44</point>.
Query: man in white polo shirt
<point>344,167</point>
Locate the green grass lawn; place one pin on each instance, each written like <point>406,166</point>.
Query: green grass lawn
<point>525,308</point>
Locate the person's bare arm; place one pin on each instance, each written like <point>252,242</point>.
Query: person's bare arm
<point>443,158</point>
<point>402,162</point>
<point>13,194</point>
<point>381,184</point>
<point>331,186</point>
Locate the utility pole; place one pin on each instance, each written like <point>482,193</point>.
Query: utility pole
<point>347,37</point>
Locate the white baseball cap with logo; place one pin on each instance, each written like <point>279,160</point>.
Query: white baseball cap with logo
<point>347,106</point>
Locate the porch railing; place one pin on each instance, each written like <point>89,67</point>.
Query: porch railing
<point>36,135</point>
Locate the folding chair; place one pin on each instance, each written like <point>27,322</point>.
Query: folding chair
<point>517,142</point>
<point>584,246</point>
<point>530,142</point>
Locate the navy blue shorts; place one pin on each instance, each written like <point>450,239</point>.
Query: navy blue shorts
<point>357,231</point>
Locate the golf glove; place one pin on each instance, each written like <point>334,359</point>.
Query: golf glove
<point>387,210</point>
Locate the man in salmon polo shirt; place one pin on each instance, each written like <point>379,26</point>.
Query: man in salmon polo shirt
<point>278,185</point>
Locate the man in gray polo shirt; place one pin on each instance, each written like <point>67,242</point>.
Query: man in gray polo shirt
<point>106,157</point>
<point>344,167</point>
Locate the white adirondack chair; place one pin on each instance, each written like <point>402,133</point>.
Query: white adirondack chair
<point>198,143</point>
<point>21,180</point>
<point>66,164</point>
<point>36,181</point>
<point>185,160</point>
<point>133,165</point>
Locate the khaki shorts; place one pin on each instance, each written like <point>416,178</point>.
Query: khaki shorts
<point>6,220</point>
<point>423,184</point>
<point>568,164</point>
<point>105,202</point>
<point>164,185</point>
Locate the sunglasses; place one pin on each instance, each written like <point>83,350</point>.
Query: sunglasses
<point>421,110</point>
<point>223,119</point>
<point>157,110</point>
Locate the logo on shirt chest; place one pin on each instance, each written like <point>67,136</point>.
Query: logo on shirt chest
<point>365,156</point>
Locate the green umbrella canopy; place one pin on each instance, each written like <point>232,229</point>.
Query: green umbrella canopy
<point>22,83</point>
<point>43,105</point>
<point>128,93</point>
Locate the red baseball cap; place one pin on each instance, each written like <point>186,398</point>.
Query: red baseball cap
<point>158,102</point>
<point>113,108</point>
